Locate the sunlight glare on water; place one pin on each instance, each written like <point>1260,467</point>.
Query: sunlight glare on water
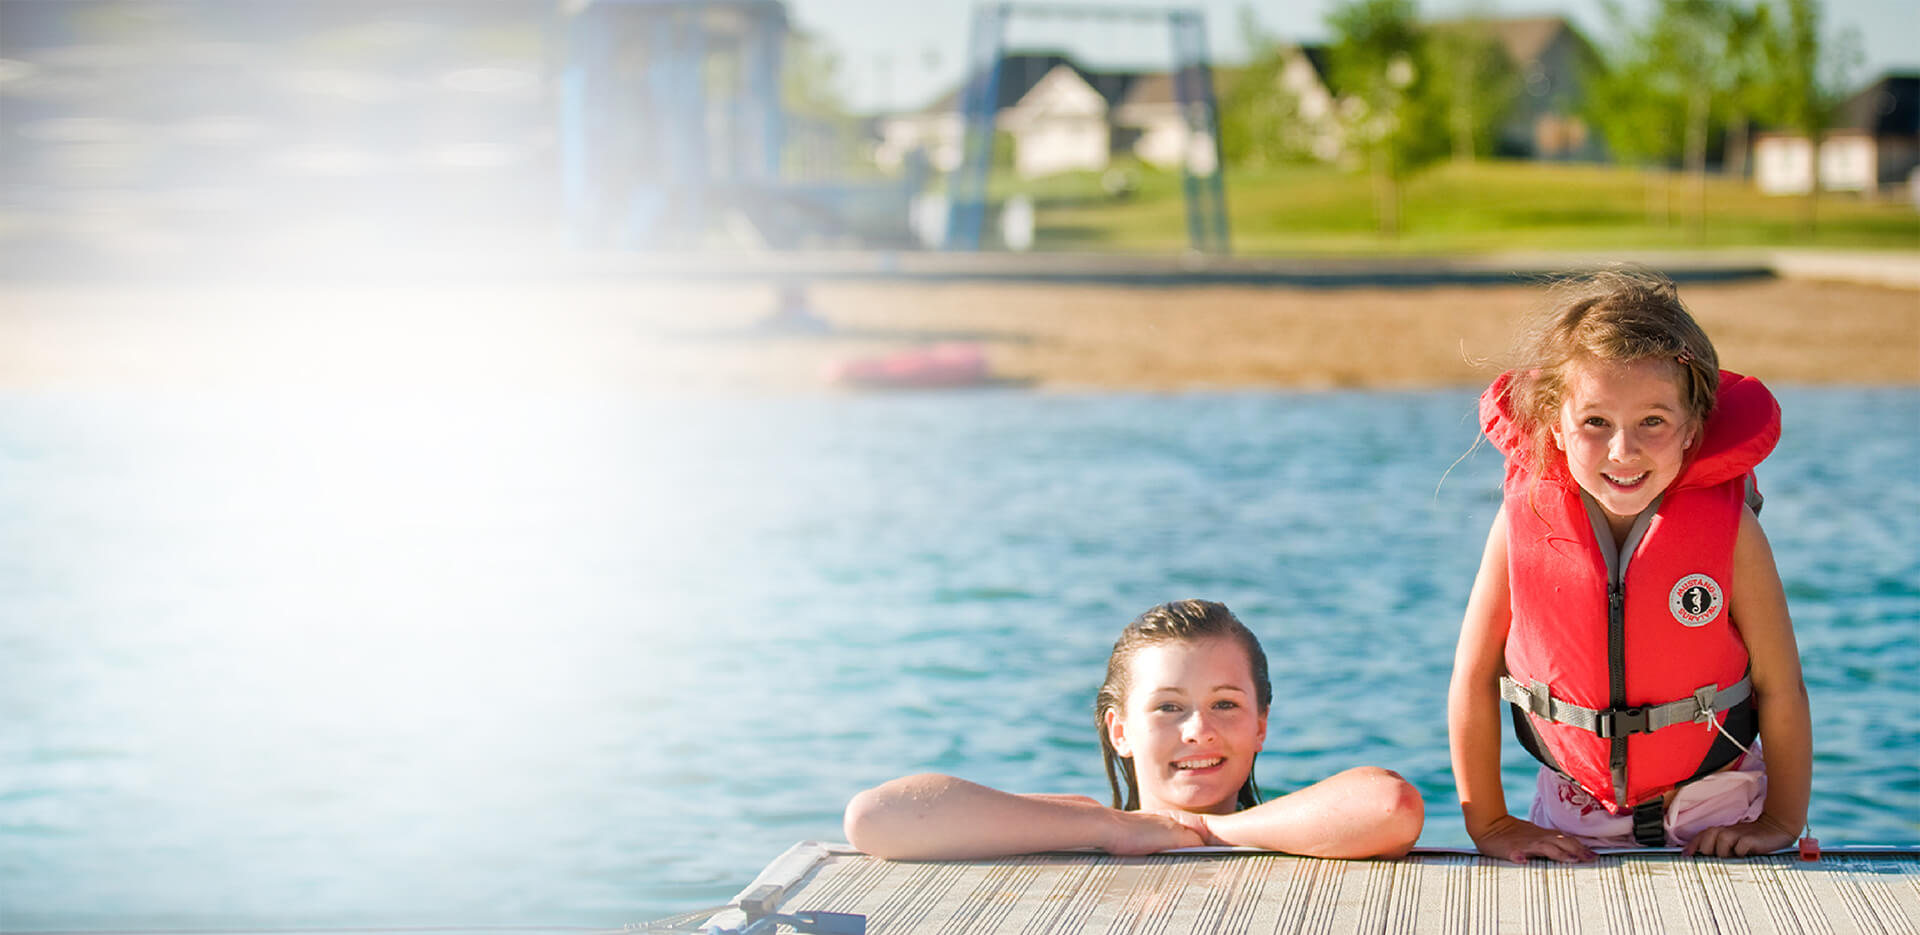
<point>291,634</point>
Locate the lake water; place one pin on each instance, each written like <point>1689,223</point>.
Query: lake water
<point>331,660</point>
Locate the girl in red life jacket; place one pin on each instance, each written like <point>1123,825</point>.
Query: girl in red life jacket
<point>1181,715</point>
<point>1627,608</point>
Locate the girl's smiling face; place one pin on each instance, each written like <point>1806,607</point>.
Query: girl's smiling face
<point>1191,723</point>
<point>1625,431</point>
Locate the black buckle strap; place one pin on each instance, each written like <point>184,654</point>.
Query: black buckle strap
<point>1650,823</point>
<point>1619,722</point>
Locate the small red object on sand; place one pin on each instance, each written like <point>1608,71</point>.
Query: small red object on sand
<point>1809,848</point>
<point>940,365</point>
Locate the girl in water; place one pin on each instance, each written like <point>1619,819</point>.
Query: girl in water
<point>1181,715</point>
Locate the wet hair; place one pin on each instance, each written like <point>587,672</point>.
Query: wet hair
<point>1618,315</point>
<point>1182,622</point>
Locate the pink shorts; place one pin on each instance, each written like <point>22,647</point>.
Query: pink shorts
<point>1728,797</point>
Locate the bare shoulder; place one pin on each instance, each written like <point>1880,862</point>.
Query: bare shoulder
<point>1752,553</point>
<point>1758,599</point>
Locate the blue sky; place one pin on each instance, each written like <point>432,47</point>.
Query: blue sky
<point>901,53</point>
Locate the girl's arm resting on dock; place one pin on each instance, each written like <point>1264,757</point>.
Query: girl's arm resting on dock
<point>1759,606</point>
<point>1362,812</point>
<point>935,817</point>
<point>1473,719</point>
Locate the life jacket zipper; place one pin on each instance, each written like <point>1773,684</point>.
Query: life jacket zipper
<point>1617,682</point>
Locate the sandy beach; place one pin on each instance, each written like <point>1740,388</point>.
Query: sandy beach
<point>707,337</point>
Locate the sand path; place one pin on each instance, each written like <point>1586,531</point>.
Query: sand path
<point>632,336</point>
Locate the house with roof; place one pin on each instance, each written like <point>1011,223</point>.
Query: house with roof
<point>1059,114</point>
<point>1066,121</point>
<point>1306,76</point>
<point>1065,117</point>
<point>1550,57</point>
<point>1150,124</point>
<point>1543,122</point>
<point>938,129</point>
<point>1874,144</point>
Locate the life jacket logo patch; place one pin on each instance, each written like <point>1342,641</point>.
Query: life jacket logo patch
<point>1695,600</point>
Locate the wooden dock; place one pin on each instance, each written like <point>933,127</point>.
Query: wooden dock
<point>1222,890</point>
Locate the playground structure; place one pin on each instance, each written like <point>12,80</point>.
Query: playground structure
<point>1192,70</point>
<point>673,133</point>
<point>638,151</point>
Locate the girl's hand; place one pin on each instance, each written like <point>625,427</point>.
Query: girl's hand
<point>1137,833</point>
<point>1514,839</point>
<point>1195,822</point>
<point>1763,835</point>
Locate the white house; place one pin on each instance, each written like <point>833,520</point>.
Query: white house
<point>1152,127</point>
<point>1062,125</point>
<point>1148,122</point>
<point>1783,163</point>
<point>1152,118</point>
<point>1305,77</point>
<point>1543,121</point>
<point>1550,57</point>
<point>938,129</point>
<point>1876,145</point>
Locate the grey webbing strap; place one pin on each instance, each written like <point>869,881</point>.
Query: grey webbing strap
<point>1704,703</point>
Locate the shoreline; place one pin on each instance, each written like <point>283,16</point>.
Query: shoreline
<point>539,261</point>
<point>678,337</point>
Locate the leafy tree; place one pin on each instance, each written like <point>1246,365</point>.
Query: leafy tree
<point>810,79</point>
<point>1678,74</point>
<point>1005,149</point>
<point>822,135</point>
<point>1641,119</point>
<point>1381,67</point>
<point>1748,67</point>
<point>1692,42</point>
<point>1640,113</point>
<point>1803,75</point>
<point>1257,115</point>
<point>1475,83</point>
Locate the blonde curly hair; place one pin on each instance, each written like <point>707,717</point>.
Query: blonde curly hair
<point>1615,315</point>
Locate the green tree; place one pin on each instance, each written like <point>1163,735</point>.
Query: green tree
<point>1803,77</point>
<point>1390,114</point>
<point>1257,115</point>
<point>1748,68</point>
<point>1475,83</point>
<point>822,134</point>
<point>1641,117</point>
<point>1689,40</point>
<point>1688,61</point>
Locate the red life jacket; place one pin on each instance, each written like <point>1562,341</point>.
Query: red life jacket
<point>1660,636</point>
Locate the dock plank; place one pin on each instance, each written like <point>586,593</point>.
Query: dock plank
<point>1236,892</point>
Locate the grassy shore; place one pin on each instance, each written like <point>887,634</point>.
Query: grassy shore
<point>1487,206</point>
<point>440,329</point>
